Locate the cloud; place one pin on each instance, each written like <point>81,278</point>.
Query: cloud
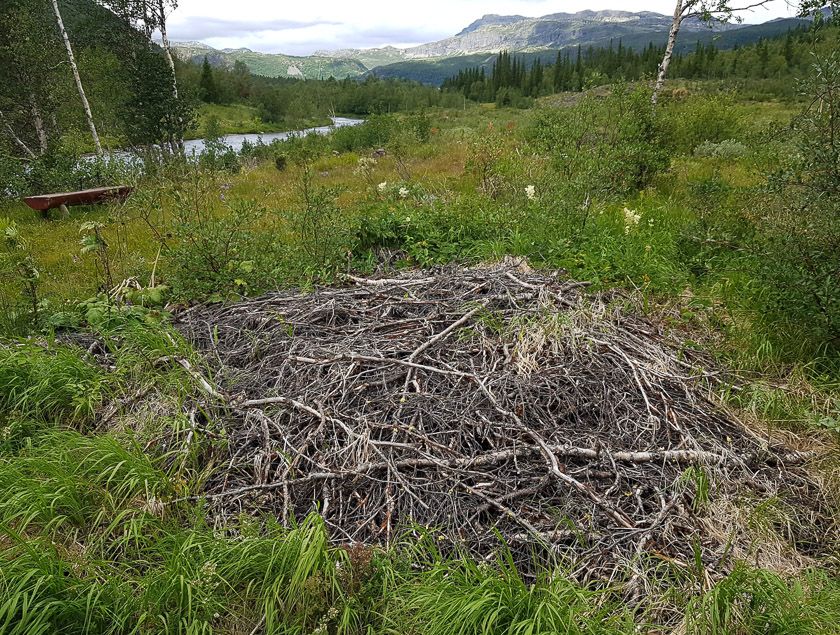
<point>304,27</point>
<point>317,38</point>
<point>202,27</point>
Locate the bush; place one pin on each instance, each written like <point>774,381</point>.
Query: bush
<point>800,213</point>
<point>12,177</point>
<point>318,231</point>
<point>374,133</point>
<point>728,149</point>
<point>61,171</point>
<point>215,254</point>
<point>610,146</point>
<point>688,123</point>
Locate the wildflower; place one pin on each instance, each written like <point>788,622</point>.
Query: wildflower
<point>631,218</point>
<point>403,192</point>
<point>365,166</point>
<point>531,192</point>
<point>382,186</point>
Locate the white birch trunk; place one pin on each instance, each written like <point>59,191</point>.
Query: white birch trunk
<point>17,140</point>
<point>168,53</point>
<point>669,51</point>
<point>78,78</point>
<point>38,122</point>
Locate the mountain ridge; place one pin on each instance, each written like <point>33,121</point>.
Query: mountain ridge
<point>487,35</point>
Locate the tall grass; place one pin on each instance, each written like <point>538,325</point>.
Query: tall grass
<point>759,601</point>
<point>48,382</point>
<point>465,598</point>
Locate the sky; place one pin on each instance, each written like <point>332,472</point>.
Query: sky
<point>301,28</point>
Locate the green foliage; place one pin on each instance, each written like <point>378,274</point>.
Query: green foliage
<point>603,147</point>
<point>48,383</point>
<point>465,598</point>
<point>316,222</point>
<point>374,133</point>
<point>207,84</point>
<point>727,149</point>
<point>60,170</point>
<point>801,260</point>
<point>217,155</point>
<point>758,601</point>
<point>152,116</point>
<point>689,123</point>
<point>23,309</point>
<point>214,254</point>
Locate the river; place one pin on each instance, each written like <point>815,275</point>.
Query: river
<point>235,141</point>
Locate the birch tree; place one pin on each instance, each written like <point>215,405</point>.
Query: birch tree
<point>708,11</point>
<point>148,16</point>
<point>29,68</point>
<point>75,69</point>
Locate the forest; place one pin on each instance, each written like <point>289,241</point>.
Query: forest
<point>769,65</point>
<point>552,349</point>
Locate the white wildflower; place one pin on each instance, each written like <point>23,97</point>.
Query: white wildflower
<point>382,186</point>
<point>403,192</point>
<point>531,192</point>
<point>365,166</point>
<point>631,219</point>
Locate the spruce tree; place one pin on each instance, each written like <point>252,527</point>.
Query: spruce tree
<point>207,84</point>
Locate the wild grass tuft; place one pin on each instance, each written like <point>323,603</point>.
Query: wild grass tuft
<point>70,483</point>
<point>759,601</point>
<point>50,383</point>
<point>467,598</point>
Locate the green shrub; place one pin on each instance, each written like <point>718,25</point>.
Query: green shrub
<point>319,235</point>
<point>214,253</point>
<point>374,133</point>
<point>727,149</point>
<point>800,215</point>
<point>687,124</point>
<point>609,146</point>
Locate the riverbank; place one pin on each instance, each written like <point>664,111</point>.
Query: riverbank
<point>242,119</point>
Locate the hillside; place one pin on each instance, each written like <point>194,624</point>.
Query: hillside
<point>435,71</point>
<point>535,38</point>
<point>273,64</point>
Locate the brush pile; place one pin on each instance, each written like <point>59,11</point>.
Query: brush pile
<point>481,402</point>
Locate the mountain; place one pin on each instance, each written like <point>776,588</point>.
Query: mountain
<point>437,69</point>
<point>493,33</point>
<point>537,37</point>
<point>273,64</point>
<point>371,58</point>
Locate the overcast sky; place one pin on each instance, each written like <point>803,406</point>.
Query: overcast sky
<point>300,28</point>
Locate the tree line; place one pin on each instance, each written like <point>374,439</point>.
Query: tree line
<point>77,75</point>
<point>290,100</point>
<point>511,81</point>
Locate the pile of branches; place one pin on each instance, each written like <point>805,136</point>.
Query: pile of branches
<point>487,403</point>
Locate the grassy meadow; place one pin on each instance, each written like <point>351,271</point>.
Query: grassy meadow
<point>697,212</point>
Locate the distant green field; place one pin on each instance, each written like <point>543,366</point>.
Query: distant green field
<point>242,119</point>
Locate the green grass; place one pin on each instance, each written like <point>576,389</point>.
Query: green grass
<point>96,532</point>
<point>48,383</point>
<point>242,119</point>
